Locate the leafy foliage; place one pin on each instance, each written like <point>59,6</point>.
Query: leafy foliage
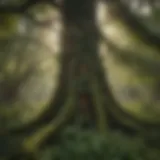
<point>78,144</point>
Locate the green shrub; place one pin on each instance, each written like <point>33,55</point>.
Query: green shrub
<point>77,144</point>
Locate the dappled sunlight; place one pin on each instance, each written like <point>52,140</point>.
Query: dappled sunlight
<point>128,63</point>
<point>33,64</point>
<point>93,65</point>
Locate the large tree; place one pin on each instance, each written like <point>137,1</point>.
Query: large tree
<point>88,60</point>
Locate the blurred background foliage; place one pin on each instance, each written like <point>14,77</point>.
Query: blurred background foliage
<point>147,11</point>
<point>82,140</point>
